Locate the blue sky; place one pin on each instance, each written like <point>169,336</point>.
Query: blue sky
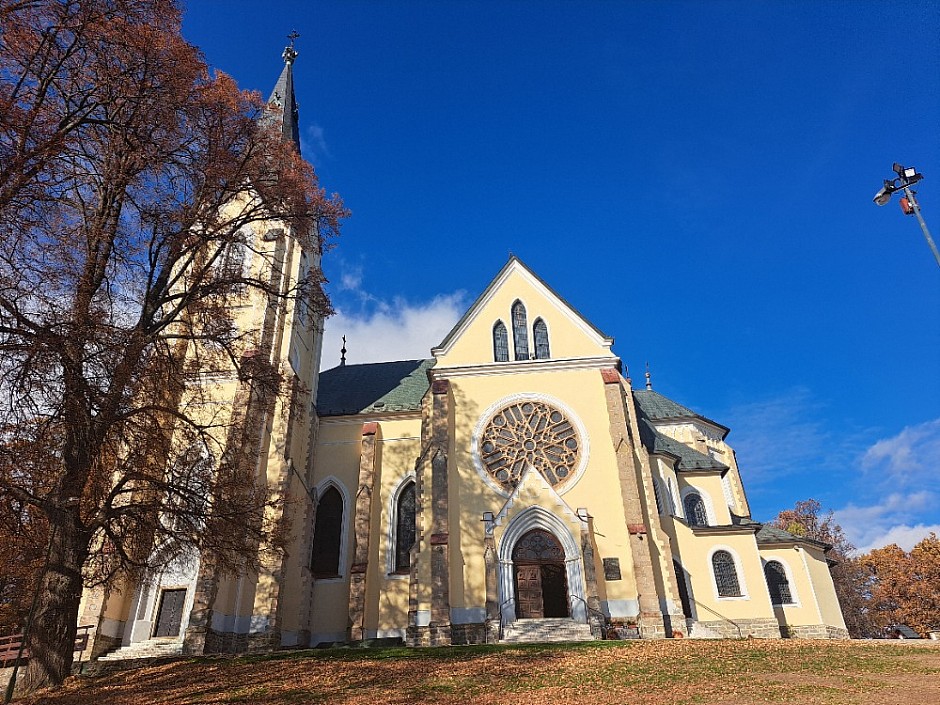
<point>695,177</point>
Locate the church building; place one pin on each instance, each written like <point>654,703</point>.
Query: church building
<point>512,486</point>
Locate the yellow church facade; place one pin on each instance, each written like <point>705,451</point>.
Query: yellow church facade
<point>536,489</point>
<point>512,486</point>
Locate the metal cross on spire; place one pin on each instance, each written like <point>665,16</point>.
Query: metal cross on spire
<point>289,52</point>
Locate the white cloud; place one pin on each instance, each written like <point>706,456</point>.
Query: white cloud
<point>903,535</point>
<point>313,144</point>
<point>868,526</point>
<point>351,279</point>
<point>908,457</point>
<point>903,506</point>
<point>399,330</point>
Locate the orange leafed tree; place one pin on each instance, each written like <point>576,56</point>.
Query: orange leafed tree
<point>120,158</point>
<point>906,585</point>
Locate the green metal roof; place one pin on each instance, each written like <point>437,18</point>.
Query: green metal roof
<point>687,458</point>
<point>373,388</point>
<point>659,408</point>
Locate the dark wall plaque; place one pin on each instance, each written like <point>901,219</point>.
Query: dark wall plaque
<point>612,569</point>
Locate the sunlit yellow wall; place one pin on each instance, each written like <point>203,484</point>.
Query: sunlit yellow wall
<point>581,393</point>
<point>567,339</point>
<point>822,585</point>
<point>695,553</point>
<point>804,611</point>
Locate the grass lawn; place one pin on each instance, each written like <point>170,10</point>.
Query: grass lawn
<point>674,671</point>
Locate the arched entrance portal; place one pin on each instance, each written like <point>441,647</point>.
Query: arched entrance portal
<point>540,576</point>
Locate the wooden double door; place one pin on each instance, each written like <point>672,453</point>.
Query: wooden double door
<point>170,613</point>
<point>541,580</point>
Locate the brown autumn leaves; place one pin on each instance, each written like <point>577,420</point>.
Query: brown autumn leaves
<point>121,156</point>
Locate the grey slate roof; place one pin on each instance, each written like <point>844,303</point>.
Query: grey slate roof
<point>771,534</point>
<point>659,408</point>
<point>374,387</point>
<point>687,458</point>
<point>283,97</point>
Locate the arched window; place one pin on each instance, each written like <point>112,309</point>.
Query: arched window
<point>658,491</point>
<point>500,343</point>
<point>520,331</point>
<point>404,528</point>
<point>695,513</point>
<point>726,575</point>
<point>683,585</point>
<point>327,535</point>
<point>540,333</point>
<point>777,583</point>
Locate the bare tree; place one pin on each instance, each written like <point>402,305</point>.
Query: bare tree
<point>132,184</point>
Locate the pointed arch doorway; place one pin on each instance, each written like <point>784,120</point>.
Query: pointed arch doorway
<point>539,576</point>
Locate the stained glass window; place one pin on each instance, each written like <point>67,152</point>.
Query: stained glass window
<point>777,584</point>
<point>500,343</point>
<point>726,576</point>
<point>540,333</point>
<point>695,513</point>
<point>404,528</point>
<point>520,331</point>
<point>327,532</point>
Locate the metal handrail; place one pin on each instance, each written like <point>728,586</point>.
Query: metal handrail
<point>592,611</point>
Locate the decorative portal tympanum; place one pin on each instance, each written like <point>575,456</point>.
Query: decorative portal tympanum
<point>529,433</point>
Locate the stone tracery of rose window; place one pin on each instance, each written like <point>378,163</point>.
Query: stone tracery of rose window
<point>529,433</point>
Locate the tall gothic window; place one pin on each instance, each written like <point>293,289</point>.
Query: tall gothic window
<point>777,584</point>
<point>500,342</point>
<point>327,535</point>
<point>695,513</point>
<point>404,528</point>
<point>540,333</point>
<point>726,575</point>
<point>520,331</point>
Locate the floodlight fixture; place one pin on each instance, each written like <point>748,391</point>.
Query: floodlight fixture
<point>907,177</point>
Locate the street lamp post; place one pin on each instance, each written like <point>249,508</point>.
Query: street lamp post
<point>907,177</point>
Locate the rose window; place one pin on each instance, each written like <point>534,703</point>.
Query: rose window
<point>529,433</point>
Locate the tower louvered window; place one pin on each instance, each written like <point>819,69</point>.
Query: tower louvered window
<point>500,343</point>
<point>726,575</point>
<point>404,528</point>
<point>327,535</point>
<point>520,332</point>
<point>540,333</point>
<point>777,584</point>
<point>695,513</point>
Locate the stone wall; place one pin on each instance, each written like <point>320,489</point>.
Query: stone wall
<point>814,631</point>
<point>463,634</point>
<point>739,629</point>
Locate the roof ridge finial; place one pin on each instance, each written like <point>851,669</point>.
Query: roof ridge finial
<point>289,52</point>
<point>649,378</point>
<point>342,359</point>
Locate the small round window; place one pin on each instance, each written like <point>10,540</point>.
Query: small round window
<point>529,433</point>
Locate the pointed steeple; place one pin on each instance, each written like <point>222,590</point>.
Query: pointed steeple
<point>283,96</point>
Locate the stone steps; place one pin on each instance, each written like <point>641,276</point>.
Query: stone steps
<point>145,650</point>
<point>531,631</point>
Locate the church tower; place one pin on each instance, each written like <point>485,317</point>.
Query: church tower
<point>186,603</point>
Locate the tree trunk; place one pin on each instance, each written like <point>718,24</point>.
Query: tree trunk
<point>51,638</point>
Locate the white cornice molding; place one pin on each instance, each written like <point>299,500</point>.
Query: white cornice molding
<point>338,420</point>
<point>525,366</point>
